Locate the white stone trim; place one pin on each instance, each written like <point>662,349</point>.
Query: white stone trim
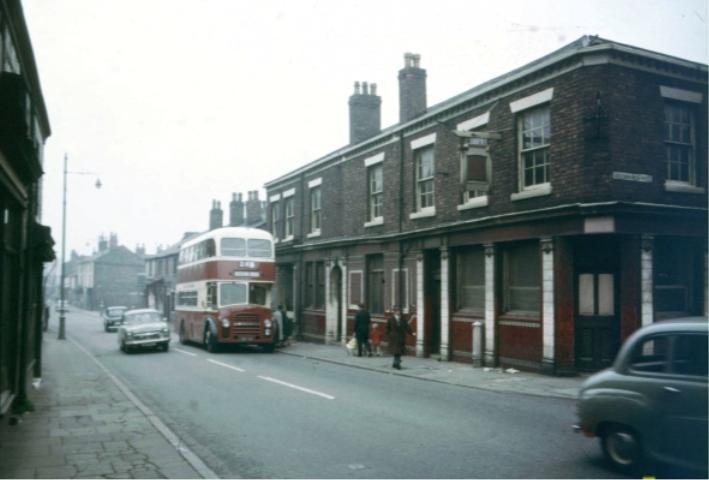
<point>316,182</point>
<point>475,202</point>
<point>474,122</point>
<point>420,310</point>
<point>532,100</point>
<point>682,95</point>
<point>548,313</point>
<point>405,305</point>
<point>289,193</point>
<point>530,192</point>
<point>445,307</point>
<point>646,284</point>
<point>274,198</point>
<point>632,177</point>
<point>682,187</point>
<point>489,305</point>
<point>289,238</point>
<point>314,234</point>
<point>423,141</point>
<point>423,213</point>
<point>599,225</point>
<point>375,222</point>
<point>330,319</point>
<point>374,159</point>
<point>344,301</point>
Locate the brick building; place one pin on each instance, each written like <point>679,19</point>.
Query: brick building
<point>114,275</point>
<point>547,213</point>
<point>25,244</point>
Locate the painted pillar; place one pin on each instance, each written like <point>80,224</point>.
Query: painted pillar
<point>548,334</point>
<point>490,354</point>
<point>330,306</point>
<point>647,244</point>
<point>420,310</point>
<point>445,307</point>
<point>345,301</point>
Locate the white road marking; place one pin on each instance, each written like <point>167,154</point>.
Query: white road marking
<point>186,352</point>
<point>226,365</point>
<point>302,389</point>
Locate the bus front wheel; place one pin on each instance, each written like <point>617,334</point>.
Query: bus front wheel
<point>183,337</point>
<point>210,342</point>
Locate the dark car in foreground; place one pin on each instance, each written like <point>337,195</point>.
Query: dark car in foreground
<point>143,328</point>
<point>112,317</point>
<point>651,405</point>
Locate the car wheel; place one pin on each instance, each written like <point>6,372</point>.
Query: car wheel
<point>124,348</point>
<point>166,346</point>
<point>210,343</point>
<point>105,327</point>
<point>183,337</point>
<point>622,448</point>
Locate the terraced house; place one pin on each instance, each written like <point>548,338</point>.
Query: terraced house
<point>534,221</point>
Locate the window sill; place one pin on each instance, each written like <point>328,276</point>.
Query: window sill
<point>682,187</point>
<point>314,234</point>
<point>289,238</point>
<point>375,222</point>
<point>536,191</point>
<point>424,213</point>
<point>475,202</point>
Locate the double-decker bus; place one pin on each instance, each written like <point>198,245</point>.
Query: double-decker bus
<point>223,291</point>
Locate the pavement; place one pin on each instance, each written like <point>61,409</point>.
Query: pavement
<point>88,424</point>
<point>456,373</point>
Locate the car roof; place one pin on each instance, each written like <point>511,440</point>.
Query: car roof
<point>693,324</point>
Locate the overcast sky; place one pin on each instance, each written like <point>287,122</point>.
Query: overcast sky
<point>175,102</point>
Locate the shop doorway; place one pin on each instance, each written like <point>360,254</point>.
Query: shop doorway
<point>432,302</point>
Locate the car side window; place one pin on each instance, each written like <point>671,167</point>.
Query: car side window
<point>651,355</point>
<point>689,355</point>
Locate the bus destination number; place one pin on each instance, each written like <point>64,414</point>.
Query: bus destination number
<point>247,264</point>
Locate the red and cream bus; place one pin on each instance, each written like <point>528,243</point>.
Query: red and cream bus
<point>223,294</point>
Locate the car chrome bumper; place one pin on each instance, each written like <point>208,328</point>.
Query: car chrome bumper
<point>147,341</point>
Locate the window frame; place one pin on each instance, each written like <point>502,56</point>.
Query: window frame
<point>375,198</point>
<point>669,143</point>
<point>420,181</point>
<point>544,147</point>
<point>289,219</point>
<point>275,219</point>
<point>315,210</point>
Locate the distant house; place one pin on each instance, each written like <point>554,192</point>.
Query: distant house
<point>112,276</point>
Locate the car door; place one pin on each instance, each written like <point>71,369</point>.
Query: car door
<point>685,409</point>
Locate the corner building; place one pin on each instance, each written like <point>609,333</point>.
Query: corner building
<point>534,221</point>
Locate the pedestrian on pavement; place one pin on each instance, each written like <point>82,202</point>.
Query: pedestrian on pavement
<point>375,337</point>
<point>287,325</point>
<point>361,328</point>
<point>278,318</point>
<point>397,329</point>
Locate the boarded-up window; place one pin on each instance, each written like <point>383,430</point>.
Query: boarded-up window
<point>470,287</point>
<point>355,288</point>
<point>676,278</point>
<point>375,283</point>
<point>522,270</point>
<point>319,285</point>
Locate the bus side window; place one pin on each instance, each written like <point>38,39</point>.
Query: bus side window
<point>212,296</point>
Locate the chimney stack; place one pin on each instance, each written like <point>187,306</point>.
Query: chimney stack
<point>236,210</point>
<point>113,241</point>
<point>412,88</point>
<point>102,244</point>
<point>365,112</point>
<point>216,216</point>
<point>140,249</point>
<point>253,209</point>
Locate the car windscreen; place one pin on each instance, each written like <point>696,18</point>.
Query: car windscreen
<point>146,317</point>
<point>232,294</point>
<point>116,311</point>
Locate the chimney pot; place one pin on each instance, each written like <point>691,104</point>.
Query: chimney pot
<point>373,88</point>
<point>365,88</point>
<point>412,88</point>
<point>356,90</point>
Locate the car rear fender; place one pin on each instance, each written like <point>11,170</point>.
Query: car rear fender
<point>604,406</point>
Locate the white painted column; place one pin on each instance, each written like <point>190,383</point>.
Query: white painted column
<point>490,354</point>
<point>420,310</point>
<point>548,334</point>
<point>706,284</point>
<point>344,302</point>
<point>647,244</point>
<point>445,307</point>
<point>330,306</point>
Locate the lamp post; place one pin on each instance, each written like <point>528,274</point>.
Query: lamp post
<point>62,299</point>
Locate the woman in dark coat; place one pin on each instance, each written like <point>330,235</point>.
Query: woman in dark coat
<point>397,329</point>
<point>361,328</point>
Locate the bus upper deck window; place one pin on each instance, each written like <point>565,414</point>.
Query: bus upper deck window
<point>233,247</point>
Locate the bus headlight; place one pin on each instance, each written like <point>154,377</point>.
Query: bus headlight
<point>267,323</point>
<point>225,322</point>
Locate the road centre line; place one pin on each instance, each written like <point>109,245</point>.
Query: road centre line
<point>226,365</point>
<point>186,352</point>
<point>302,389</point>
